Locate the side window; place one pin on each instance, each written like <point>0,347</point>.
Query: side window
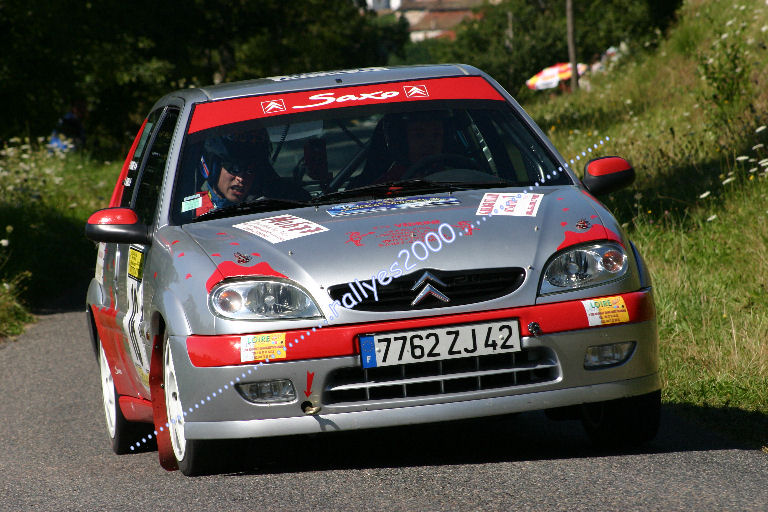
<point>129,183</point>
<point>145,201</point>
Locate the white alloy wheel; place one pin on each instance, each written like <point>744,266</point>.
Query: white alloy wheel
<point>108,393</point>
<point>174,410</point>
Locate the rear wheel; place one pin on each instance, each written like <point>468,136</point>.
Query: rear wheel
<point>122,433</point>
<point>623,423</point>
<point>194,457</point>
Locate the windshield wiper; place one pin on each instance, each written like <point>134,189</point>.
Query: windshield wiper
<point>262,204</point>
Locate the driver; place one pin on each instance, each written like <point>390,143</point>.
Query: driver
<point>229,166</point>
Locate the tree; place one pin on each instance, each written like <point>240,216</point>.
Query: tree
<point>122,56</point>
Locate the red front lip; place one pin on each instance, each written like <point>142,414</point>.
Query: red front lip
<point>341,340</point>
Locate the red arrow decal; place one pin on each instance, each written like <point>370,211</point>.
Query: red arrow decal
<point>310,377</point>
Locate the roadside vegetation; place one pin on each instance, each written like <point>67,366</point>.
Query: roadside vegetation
<point>688,108</point>
<point>691,115</point>
<point>45,198</point>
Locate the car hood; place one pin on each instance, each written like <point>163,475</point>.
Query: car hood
<point>320,247</point>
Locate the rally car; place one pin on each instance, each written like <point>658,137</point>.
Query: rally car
<point>360,249</point>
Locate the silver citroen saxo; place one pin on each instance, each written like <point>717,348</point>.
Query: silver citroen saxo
<point>359,249</point>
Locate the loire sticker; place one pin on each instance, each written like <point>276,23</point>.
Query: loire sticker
<point>281,228</point>
<point>394,203</point>
<point>516,205</point>
<point>606,310</point>
<point>258,347</point>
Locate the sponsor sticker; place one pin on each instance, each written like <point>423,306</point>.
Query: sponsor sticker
<point>281,228</point>
<point>394,203</point>
<point>606,310</point>
<point>258,347</point>
<point>135,263</point>
<point>516,205</point>
<point>192,203</point>
<point>217,113</point>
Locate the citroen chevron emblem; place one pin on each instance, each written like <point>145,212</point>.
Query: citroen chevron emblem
<point>428,289</point>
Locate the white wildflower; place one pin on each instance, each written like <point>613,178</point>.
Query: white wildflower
<point>728,180</point>
<point>764,28</point>
<point>753,170</point>
<point>711,218</point>
<point>756,147</point>
<point>742,158</point>
<point>724,36</point>
<point>4,242</point>
<point>760,128</point>
<point>705,194</point>
<point>763,162</point>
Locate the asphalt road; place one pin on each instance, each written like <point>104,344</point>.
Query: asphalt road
<point>54,455</point>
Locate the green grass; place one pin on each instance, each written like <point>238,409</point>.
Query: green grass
<point>699,208</point>
<point>45,199</point>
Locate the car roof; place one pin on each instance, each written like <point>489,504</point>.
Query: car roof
<point>321,80</point>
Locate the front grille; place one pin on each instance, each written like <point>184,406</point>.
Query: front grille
<point>461,287</point>
<point>355,384</point>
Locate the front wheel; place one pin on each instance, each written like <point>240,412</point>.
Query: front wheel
<point>193,457</point>
<point>623,423</point>
<point>123,434</point>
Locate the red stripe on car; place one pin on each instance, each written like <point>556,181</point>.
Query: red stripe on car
<point>217,113</point>
<point>341,340</point>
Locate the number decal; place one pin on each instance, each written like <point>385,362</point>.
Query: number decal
<point>432,352</point>
<point>455,335</point>
<point>474,344</point>
<point>386,350</point>
<point>504,345</point>
<point>407,257</point>
<point>489,342</point>
<point>416,349</point>
<point>403,339</point>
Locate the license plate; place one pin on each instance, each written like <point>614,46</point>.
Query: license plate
<point>438,343</point>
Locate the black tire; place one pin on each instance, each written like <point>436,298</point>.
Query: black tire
<point>125,436</point>
<point>624,423</point>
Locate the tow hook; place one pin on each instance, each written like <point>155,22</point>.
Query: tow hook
<point>309,409</point>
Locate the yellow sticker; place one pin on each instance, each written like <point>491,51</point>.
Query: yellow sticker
<point>261,347</point>
<point>135,264</point>
<point>606,310</point>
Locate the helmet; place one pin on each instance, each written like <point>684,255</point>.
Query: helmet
<point>230,151</point>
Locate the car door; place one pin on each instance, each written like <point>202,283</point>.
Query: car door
<point>130,258</point>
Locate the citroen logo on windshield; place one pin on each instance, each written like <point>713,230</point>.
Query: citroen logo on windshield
<point>429,289</point>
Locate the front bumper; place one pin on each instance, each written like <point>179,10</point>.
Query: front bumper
<point>215,410</point>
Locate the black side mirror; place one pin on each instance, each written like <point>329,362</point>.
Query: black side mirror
<point>119,225</point>
<point>607,174</point>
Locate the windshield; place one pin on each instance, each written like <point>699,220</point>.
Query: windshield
<point>323,155</point>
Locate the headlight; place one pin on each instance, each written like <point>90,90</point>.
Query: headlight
<point>583,267</point>
<point>261,300</point>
